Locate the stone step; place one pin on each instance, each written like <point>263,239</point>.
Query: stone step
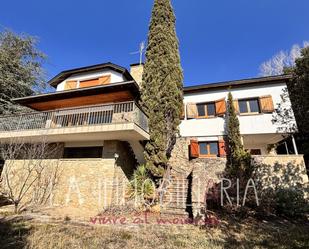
<point>174,187</point>
<point>175,198</point>
<point>176,206</point>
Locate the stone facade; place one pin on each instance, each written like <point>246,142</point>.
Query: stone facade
<point>137,72</point>
<point>192,179</point>
<point>90,184</point>
<point>281,171</point>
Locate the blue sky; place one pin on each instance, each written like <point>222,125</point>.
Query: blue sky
<point>219,39</point>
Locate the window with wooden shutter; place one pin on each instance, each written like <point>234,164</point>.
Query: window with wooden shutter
<point>220,107</point>
<point>249,106</point>
<point>208,149</point>
<point>206,110</point>
<point>267,104</point>
<point>89,83</point>
<point>194,149</point>
<point>71,84</point>
<point>192,110</point>
<point>95,82</point>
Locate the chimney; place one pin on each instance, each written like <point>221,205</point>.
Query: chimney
<point>137,72</point>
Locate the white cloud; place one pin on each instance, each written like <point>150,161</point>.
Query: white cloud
<point>276,64</point>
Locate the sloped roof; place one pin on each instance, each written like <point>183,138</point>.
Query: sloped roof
<point>65,74</point>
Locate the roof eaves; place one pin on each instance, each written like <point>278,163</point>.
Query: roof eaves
<point>242,82</point>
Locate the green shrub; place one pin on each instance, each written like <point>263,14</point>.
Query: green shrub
<point>291,203</point>
<point>141,188</point>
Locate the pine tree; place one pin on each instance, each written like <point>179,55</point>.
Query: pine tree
<point>238,158</point>
<point>162,86</point>
<point>21,71</point>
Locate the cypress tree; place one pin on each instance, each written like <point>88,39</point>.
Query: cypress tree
<point>162,96</point>
<point>238,158</point>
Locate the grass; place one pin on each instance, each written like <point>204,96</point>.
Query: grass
<point>232,233</point>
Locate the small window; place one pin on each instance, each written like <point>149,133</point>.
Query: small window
<point>255,152</point>
<point>249,106</point>
<point>208,148</point>
<point>83,152</point>
<point>206,110</point>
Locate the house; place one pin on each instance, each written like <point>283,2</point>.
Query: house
<point>255,101</point>
<point>94,121</point>
<point>90,105</point>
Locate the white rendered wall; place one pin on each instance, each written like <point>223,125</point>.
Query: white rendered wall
<point>250,124</point>
<point>115,77</point>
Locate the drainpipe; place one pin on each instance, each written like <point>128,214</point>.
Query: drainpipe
<point>294,145</point>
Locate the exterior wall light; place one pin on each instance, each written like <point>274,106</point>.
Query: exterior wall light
<point>116,156</point>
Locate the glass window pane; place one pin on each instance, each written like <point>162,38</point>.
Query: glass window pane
<point>213,148</point>
<point>203,148</point>
<point>83,152</point>
<point>211,110</point>
<point>254,105</point>
<point>201,109</point>
<point>243,106</point>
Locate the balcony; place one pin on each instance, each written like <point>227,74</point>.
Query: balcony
<point>118,121</point>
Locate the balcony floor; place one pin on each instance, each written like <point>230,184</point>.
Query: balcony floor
<point>114,131</point>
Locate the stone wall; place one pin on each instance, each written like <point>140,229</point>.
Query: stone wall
<point>201,174</point>
<point>89,184</point>
<point>280,171</point>
<point>270,172</point>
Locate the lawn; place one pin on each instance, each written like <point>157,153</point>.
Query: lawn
<point>231,233</point>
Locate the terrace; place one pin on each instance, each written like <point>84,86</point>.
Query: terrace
<point>121,121</point>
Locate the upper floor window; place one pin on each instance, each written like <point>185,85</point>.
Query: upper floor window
<point>206,110</point>
<point>249,106</point>
<point>72,84</point>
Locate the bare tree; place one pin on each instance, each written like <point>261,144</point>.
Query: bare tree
<point>283,117</point>
<point>284,59</point>
<point>30,172</point>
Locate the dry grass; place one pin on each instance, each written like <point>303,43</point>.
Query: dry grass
<point>231,234</point>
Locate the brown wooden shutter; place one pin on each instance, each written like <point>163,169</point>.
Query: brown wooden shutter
<point>194,149</point>
<point>192,110</point>
<point>105,80</point>
<point>89,83</point>
<point>236,106</point>
<point>220,107</point>
<point>222,148</point>
<point>72,84</point>
<point>267,104</point>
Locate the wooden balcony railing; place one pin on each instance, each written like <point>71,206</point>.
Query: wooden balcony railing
<point>125,112</point>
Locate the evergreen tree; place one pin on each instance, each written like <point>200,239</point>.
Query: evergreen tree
<point>162,86</point>
<point>298,89</point>
<point>238,158</point>
<point>20,69</point>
